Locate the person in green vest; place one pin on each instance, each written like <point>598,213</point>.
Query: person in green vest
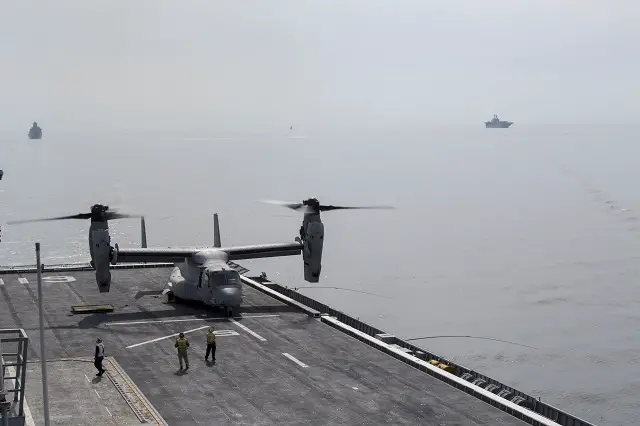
<point>182,343</point>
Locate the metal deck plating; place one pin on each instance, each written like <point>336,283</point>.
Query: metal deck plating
<point>286,359</point>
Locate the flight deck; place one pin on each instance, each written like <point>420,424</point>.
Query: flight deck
<point>278,361</point>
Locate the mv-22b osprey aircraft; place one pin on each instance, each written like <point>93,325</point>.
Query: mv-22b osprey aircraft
<point>204,274</point>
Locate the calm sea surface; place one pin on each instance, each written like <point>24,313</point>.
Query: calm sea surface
<point>529,234</point>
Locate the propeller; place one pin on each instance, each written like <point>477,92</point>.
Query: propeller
<point>98,212</point>
<point>312,205</point>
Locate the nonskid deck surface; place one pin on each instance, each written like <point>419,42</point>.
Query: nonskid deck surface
<point>76,396</point>
<point>274,365</point>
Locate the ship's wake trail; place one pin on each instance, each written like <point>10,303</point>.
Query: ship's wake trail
<point>601,197</point>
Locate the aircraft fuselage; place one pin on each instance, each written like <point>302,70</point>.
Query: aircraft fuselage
<point>208,278</point>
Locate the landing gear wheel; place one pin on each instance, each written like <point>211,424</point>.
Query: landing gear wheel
<point>228,312</point>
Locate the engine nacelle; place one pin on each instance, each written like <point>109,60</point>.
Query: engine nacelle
<point>312,251</point>
<point>101,254</point>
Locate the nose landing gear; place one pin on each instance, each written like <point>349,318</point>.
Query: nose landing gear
<point>228,311</point>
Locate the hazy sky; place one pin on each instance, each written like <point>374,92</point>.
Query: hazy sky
<point>266,64</point>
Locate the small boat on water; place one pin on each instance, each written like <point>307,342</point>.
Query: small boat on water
<point>35,132</point>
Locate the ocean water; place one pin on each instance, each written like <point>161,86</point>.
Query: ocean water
<point>529,234</point>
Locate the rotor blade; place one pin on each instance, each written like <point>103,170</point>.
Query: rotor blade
<point>328,208</point>
<point>75,216</point>
<point>292,206</point>
<point>114,215</point>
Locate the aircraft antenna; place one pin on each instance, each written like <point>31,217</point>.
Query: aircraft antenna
<point>342,288</point>
<point>472,337</point>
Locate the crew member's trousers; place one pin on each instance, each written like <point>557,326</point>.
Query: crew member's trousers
<point>182,355</point>
<point>98,363</point>
<point>211,349</point>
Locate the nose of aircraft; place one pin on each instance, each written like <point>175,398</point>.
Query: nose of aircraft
<point>230,296</point>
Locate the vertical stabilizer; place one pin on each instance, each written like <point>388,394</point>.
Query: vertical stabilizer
<point>143,231</point>
<point>216,231</point>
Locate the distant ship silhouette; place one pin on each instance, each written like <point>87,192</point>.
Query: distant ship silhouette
<point>496,123</point>
<point>35,132</point>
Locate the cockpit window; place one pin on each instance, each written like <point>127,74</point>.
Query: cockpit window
<point>217,279</point>
<point>233,278</point>
<point>225,278</point>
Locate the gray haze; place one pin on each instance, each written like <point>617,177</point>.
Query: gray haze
<point>528,234</point>
<point>238,65</point>
<point>180,109</point>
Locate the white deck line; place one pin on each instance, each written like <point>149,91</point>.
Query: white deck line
<point>165,337</point>
<point>187,320</point>
<point>296,360</point>
<point>253,333</point>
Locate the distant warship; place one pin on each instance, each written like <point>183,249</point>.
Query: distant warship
<point>35,132</point>
<point>495,123</point>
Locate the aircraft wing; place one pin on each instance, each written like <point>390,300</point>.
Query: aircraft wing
<point>167,255</point>
<point>160,255</point>
<point>263,250</point>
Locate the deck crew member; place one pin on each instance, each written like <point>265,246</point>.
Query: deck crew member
<point>211,345</point>
<point>99,356</point>
<point>182,343</point>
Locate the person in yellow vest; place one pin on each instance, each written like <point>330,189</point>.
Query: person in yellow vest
<point>211,345</point>
<point>182,343</point>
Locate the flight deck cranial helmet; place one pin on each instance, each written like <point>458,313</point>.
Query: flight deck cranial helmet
<point>181,334</point>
